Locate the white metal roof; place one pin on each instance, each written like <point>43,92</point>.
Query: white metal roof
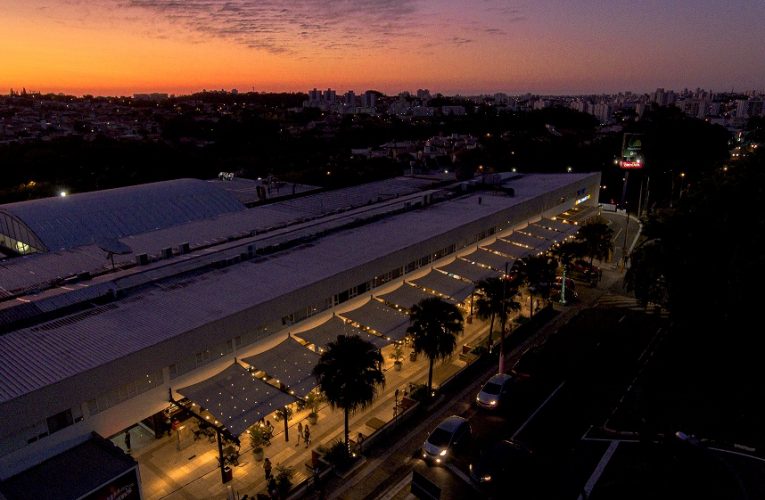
<point>31,358</point>
<point>64,222</point>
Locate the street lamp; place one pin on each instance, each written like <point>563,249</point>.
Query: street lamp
<point>682,182</point>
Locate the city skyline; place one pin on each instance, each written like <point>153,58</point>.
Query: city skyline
<point>124,47</point>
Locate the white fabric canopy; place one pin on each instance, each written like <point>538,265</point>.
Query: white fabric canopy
<point>405,296</point>
<point>290,363</point>
<point>380,318</point>
<point>509,249</point>
<point>490,259</point>
<point>329,330</point>
<point>237,398</point>
<point>443,283</point>
<point>468,270</point>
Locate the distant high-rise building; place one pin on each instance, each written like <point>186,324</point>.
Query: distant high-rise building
<point>423,94</point>
<point>602,111</point>
<point>330,96</point>
<point>369,99</point>
<point>350,98</point>
<point>314,97</point>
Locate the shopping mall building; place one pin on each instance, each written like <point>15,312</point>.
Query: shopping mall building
<point>113,302</point>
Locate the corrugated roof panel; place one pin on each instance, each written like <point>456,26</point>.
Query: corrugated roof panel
<point>33,359</point>
<point>87,218</point>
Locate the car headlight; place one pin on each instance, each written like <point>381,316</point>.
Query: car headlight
<point>443,452</point>
<point>492,402</point>
<point>486,478</point>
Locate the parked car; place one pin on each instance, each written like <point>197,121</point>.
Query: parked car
<point>500,464</point>
<point>452,435</point>
<point>558,284</point>
<point>583,270</point>
<point>494,392</point>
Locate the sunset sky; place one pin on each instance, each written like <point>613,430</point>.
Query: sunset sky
<point>118,47</point>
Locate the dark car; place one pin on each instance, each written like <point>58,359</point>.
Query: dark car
<point>495,392</point>
<point>452,435</point>
<point>499,465</point>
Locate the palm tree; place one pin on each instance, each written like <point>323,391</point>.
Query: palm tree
<point>569,250</point>
<point>489,304</point>
<point>538,272</point>
<point>434,326</point>
<point>349,374</point>
<point>597,239</point>
<point>565,252</point>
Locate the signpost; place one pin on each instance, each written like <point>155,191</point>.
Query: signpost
<point>632,159</point>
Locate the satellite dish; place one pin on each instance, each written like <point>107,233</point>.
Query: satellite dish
<point>114,246</point>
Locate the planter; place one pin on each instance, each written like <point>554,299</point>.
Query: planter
<point>257,453</point>
<point>397,365</point>
<point>313,418</point>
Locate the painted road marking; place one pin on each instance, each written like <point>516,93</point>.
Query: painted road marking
<point>599,470</point>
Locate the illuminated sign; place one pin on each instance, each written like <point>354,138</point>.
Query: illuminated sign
<point>631,165</point>
<point>632,152</point>
<point>582,200</point>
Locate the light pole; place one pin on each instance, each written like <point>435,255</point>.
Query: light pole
<point>682,183</point>
<point>503,318</point>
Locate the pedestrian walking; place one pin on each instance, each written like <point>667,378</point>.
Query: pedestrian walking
<point>267,468</point>
<point>307,435</point>
<point>127,440</point>
<point>273,490</point>
<point>300,433</point>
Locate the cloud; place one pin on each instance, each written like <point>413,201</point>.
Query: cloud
<point>458,40</point>
<point>278,26</point>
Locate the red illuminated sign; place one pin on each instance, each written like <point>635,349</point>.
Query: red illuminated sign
<point>631,165</point>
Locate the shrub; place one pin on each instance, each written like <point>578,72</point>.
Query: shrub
<point>283,476</point>
<point>419,393</point>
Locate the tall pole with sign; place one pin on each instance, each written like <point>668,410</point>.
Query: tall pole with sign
<point>632,159</point>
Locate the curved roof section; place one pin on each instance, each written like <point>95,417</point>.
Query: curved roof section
<point>103,216</point>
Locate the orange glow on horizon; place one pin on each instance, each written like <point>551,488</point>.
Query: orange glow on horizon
<point>117,48</point>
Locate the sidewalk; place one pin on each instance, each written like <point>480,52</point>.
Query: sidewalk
<point>193,472</point>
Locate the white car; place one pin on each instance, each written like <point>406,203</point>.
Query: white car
<point>494,392</point>
<point>452,434</point>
